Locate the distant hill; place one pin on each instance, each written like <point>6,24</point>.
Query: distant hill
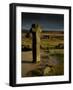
<point>53,32</point>
<point>47,31</point>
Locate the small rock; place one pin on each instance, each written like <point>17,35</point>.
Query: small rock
<point>47,70</point>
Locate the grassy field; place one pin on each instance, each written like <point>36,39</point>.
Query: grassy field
<point>52,55</point>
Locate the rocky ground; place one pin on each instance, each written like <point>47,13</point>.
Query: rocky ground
<point>48,65</point>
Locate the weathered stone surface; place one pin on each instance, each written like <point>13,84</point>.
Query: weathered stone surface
<point>47,70</point>
<point>36,30</point>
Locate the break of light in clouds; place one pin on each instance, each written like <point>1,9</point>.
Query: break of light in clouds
<point>46,21</point>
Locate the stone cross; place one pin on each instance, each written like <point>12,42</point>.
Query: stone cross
<point>36,30</point>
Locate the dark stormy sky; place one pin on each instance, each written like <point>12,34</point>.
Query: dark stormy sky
<point>48,22</point>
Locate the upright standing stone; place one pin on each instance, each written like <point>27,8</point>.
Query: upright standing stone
<point>36,30</point>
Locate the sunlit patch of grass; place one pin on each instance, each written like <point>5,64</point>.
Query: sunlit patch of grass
<point>27,41</point>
